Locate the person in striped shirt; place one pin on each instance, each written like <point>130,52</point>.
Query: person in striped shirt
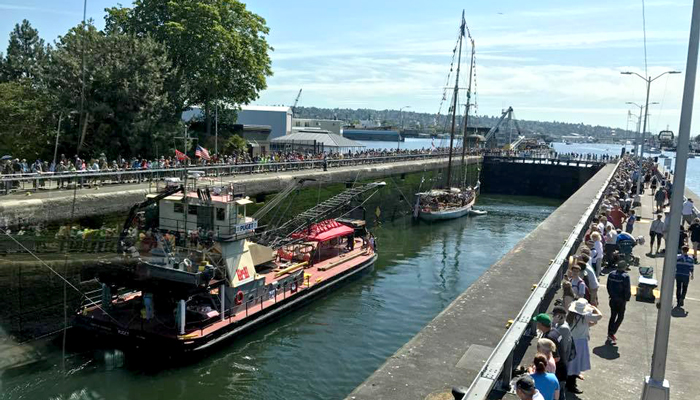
<point>684,273</point>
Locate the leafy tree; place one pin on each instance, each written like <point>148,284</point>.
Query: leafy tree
<point>126,105</point>
<point>26,54</point>
<point>235,145</point>
<point>25,121</point>
<point>218,46</point>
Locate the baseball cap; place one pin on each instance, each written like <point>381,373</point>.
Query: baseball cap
<point>525,383</point>
<point>543,319</point>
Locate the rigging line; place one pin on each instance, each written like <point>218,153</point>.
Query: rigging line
<point>661,106</point>
<point>59,275</point>
<point>644,29</point>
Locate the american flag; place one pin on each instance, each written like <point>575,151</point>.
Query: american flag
<point>180,155</point>
<point>201,152</point>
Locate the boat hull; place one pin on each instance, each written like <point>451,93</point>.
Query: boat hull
<point>142,340</point>
<point>441,215</point>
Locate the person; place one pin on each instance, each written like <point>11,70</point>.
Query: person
<point>589,277</point>
<point>660,198</point>
<point>682,237</point>
<point>610,245</point>
<point>684,273</point>
<point>619,292</point>
<point>568,295</point>
<point>688,211</point>
<point>695,237</point>
<point>548,348</point>
<point>577,283</point>
<point>597,252</point>
<point>629,226</point>
<point>656,231</point>
<point>525,388</point>
<point>654,184</point>
<point>581,316</point>
<point>545,382</point>
<point>617,216</point>
<point>565,345</point>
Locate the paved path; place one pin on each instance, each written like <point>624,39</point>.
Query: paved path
<point>618,372</point>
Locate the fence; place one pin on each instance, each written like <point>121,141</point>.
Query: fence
<point>43,245</point>
<point>51,180</point>
<point>497,371</point>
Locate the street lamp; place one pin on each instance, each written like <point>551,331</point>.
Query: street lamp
<point>648,80</point>
<point>656,386</point>
<point>398,139</point>
<point>639,120</point>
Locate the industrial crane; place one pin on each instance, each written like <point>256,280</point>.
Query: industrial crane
<point>296,101</point>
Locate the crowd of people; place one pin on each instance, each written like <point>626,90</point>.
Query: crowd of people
<point>563,350</point>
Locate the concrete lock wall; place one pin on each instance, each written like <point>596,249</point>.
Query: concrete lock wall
<point>531,179</point>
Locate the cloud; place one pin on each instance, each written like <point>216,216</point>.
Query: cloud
<point>14,7</point>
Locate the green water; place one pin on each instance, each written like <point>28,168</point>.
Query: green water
<point>326,349</point>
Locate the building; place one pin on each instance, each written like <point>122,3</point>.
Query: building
<point>316,141</point>
<point>372,134</point>
<point>330,125</point>
<point>278,118</point>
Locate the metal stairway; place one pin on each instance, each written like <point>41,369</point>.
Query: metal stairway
<point>281,235</point>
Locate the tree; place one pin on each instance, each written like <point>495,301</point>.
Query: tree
<point>218,46</point>
<point>126,104</point>
<point>235,145</point>
<point>25,121</point>
<point>26,54</point>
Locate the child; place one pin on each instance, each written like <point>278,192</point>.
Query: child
<point>629,226</point>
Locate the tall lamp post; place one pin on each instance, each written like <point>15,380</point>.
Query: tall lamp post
<point>648,80</point>
<point>656,387</point>
<point>639,120</point>
<point>398,139</point>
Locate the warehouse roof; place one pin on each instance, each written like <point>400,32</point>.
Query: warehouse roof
<point>320,136</point>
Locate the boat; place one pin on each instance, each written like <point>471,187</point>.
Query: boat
<point>451,202</point>
<point>199,277</point>
<point>653,150</point>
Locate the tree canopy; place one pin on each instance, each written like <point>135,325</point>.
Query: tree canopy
<point>150,63</point>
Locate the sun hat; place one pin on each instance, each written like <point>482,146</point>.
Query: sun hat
<point>543,319</point>
<point>580,307</point>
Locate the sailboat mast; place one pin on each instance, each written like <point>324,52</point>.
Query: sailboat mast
<point>466,113</point>
<point>454,102</point>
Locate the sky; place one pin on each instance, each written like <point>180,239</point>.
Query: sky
<point>549,60</point>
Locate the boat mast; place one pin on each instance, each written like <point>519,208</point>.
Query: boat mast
<point>466,112</point>
<point>454,102</point>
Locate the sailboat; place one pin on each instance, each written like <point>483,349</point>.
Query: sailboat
<point>451,202</point>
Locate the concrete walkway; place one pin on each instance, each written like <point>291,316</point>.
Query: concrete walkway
<point>618,372</point>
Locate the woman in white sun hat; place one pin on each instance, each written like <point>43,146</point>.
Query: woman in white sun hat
<point>581,316</point>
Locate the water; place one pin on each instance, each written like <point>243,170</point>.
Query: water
<point>326,349</point>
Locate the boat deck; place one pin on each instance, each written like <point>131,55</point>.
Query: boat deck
<point>125,314</point>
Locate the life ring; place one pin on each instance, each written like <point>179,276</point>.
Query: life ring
<point>239,298</point>
<point>294,287</point>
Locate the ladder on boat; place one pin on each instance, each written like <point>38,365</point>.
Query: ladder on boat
<point>280,236</point>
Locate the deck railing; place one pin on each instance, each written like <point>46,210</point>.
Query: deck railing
<point>56,180</point>
<point>496,373</point>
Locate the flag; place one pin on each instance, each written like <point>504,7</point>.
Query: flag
<point>201,152</point>
<point>180,155</point>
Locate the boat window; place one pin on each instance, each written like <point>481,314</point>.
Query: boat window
<point>192,209</point>
<point>220,214</point>
<point>178,208</point>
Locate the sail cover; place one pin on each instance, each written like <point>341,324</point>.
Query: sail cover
<point>325,230</point>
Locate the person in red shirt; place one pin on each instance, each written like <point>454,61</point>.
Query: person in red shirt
<point>617,216</point>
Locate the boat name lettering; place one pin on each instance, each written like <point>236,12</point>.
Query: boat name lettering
<point>250,226</point>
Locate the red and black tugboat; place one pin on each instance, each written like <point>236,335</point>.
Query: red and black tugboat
<point>199,277</point>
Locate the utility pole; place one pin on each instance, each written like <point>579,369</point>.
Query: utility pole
<point>216,129</point>
<point>656,387</point>
<point>58,132</point>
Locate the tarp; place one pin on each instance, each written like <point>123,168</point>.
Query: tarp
<point>325,230</point>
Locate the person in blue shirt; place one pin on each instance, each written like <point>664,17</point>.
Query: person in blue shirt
<point>684,273</point>
<point>545,382</point>
<point>619,292</point>
<point>630,222</point>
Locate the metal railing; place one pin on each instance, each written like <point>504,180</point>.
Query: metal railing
<point>579,162</point>
<point>497,371</point>
<point>56,180</point>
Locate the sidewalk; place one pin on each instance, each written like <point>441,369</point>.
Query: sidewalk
<point>619,372</point>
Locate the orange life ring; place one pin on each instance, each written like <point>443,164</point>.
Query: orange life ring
<point>239,298</point>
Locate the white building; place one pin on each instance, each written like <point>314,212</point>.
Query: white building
<point>330,125</point>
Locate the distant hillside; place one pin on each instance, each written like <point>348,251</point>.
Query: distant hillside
<point>425,122</point>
